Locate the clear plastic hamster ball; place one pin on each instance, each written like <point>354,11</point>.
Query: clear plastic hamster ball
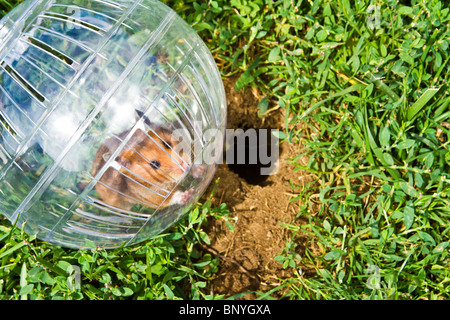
<point>112,114</point>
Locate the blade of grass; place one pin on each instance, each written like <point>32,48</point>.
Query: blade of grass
<point>23,281</point>
<point>372,145</point>
<point>16,247</point>
<point>421,102</point>
<point>355,87</point>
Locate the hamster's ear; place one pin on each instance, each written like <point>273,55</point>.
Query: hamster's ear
<point>122,160</point>
<point>106,156</point>
<point>140,114</point>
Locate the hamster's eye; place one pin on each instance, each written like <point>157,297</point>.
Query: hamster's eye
<point>155,164</point>
<point>167,144</point>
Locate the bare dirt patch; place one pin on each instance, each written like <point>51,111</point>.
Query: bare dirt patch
<point>247,253</point>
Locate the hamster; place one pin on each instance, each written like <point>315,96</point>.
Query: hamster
<point>145,171</point>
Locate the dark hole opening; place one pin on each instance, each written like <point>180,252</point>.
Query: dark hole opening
<point>251,155</point>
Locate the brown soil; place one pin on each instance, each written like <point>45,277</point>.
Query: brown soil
<point>247,253</point>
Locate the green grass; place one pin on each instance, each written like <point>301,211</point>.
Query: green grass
<point>169,266</point>
<point>367,96</point>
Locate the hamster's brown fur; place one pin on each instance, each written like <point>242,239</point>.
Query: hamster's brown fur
<point>146,170</point>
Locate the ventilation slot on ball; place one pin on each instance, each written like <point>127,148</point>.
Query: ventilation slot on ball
<point>8,126</point>
<point>56,43</point>
<point>10,133</point>
<point>139,183</point>
<point>200,91</point>
<point>9,139</point>
<point>104,207</point>
<point>4,156</point>
<point>186,115</point>
<point>33,92</point>
<point>72,21</point>
<point>55,53</point>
